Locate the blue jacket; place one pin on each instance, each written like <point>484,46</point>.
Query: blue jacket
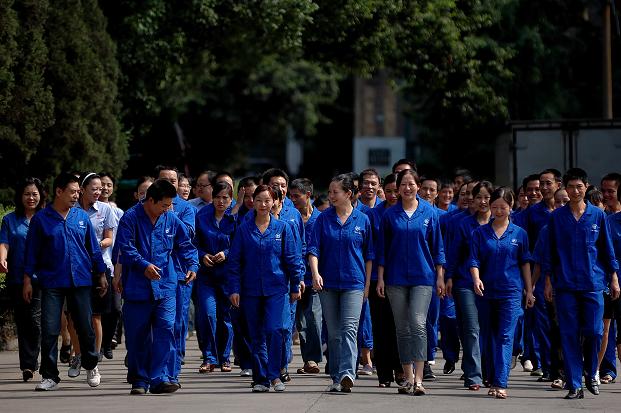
<point>211,239</point>
<point>308,232</point>
<point>292,216</point>
<point>13,233</point>
<point>342,250</point>
<point>614,223</point>
<point>458,267</point>
<point>532,219</point>
<point>582,256</point>
<point>540,255</point>
<point>262,265</point>
<point>186,212</point>
<point>141,243</point>
<point>409,248</point>
<point>63,253</point>
<point>375,217</point>
<point>499,260</point>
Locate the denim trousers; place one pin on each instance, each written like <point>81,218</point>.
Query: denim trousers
<point>410,305</point>
<point>341,311</point>
<point>79,305</point>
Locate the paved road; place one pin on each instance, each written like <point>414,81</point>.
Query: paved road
<point>218,392</point>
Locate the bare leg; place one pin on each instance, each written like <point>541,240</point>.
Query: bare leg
<point>602,351</point>
<point>96,320</point>
<point>418,376</point>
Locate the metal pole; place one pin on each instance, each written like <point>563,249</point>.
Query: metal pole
<point>607,62</point>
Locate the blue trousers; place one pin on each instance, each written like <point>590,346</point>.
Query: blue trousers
<point>341,310</point>
<point>449,330</point>
<point>214,318</point>
<point>530,340</point>
<point>609,363</point>
<point>150,341</point>
<point>497,320</point>
<point>79,306</point>
<point>365,328</point>
<point>433,320</point>
<point>184,294</point>
<point>241,338</point>
<point>542,332</point>
<point>308,323</point>
<point>288,320</point>
<point>265,326</point>
<point>468,319</point>
<point>580,317</point>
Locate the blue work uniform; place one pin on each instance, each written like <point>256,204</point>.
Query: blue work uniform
<point>499,260</point>
<point>263,269</point>
<point>213,315</point>
<point>582,261</point>
<point>13,233</point>
<point>149,306</point>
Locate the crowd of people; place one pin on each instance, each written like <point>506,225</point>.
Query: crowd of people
<point>373,277</point>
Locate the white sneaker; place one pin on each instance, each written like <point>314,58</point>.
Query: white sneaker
<point>528,366</point>
<point>75,366</point>
<point>366,370</point>
<point>245,373</point>
<point>93,378</point>
<point>46,385</point>
<point>599,382</point>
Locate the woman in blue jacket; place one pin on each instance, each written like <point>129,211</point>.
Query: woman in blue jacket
<point>500,270</point>
<point>214,228</point>
<point>410,256</point>
<point>263,267</point>
<point>29,198</point>
<point>340,258</point>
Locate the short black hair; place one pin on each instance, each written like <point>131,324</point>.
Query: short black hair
<point>573,174</point>
<point>303,185</point>
<point>224,173</point>
<point>612,176</point>
<point>505,193</point>
<point>430,178</point>
<point>320,199</point>
<point>389,179</point>
<point>160,168</point>
<point>370,171</point>
<point>405,172</point>
<point>404,161</point>
<point>347,182</point>
<point>64,179</point>
<point>249,181</point>
<point>274,172</point>
<point>142,180</point>
<point>594,195</point>
<point>529,178</point>
<point>105,174</point>
<point>19,191</point>
<point>221,186</point>
<point>483,184</point>
<point>161,189</point>
<point>557,174</point>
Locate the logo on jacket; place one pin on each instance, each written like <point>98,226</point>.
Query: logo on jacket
<point>81,224</point>
<point>426,222</point>
<point>594,228</point>
<point>357,230</point>
<point>277,237</point>
<point>514,242</point>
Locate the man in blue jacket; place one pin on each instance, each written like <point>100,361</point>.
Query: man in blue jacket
<point>583,264</point>
<point>148,233</point>
<point>62,250</point>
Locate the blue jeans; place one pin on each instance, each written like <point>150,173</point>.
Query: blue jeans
<point>410,305</point>
<point>79,305</point>
<point>433,324</point>
<point>214,317</point>
<point>341,311</point>
<point>468,318</point>
<point>365,328</point>
<point>150,341</point>
<point>308,323</point>
<point>580,318</point>
<point>265,326</point>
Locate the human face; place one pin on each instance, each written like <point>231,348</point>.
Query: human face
<point>31,198</point>
<point>500,209</point>
<point>276,207</point>
<point>263,203</point>
<point>142,190</point>
<point>170,176</point>
<point>203,188</point>
<point>107,188</point>
<point>337,196</point>
<point>462,200</point>
<point>248,191</point>
<point>227,179</point>
<point>370,185</point>
<point>155,209</point>
<point>408,188</point>
<point>222,200</point>
<point>458,182</point>
<point>560,198</point>
<point>609,190</point>
<point>184,188</point>
<point>548,186</point>
<point>66,198</point>
<point>446,196</point>
<point>576,190</point>
<point>533,192</point>
<point>429,190</point>
<point>481,201</point>
<point>392,193</point>
<point>299,199</point>
<point>401,167</point>
<point>523,199</point>
<point>91,191</point>
<point>278,182</point>
<point>468,198</point>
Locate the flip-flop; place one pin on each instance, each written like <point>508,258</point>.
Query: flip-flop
<point>501,394</point>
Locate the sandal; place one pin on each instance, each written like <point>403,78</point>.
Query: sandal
<point>501,394</point>
<point>607,379</point>
<point>206,368</point>
<point>474,387</point>
<point>226,367</point>
<point>491,392</point>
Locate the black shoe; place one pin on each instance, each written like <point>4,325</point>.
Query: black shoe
<point>449,367</point>
<point>65,354</point>
<point>592,386</point>
<point>107,352</point>
<point>545,378</point>
<point>164,387</point>
<point>183,361</point>
<point>125,362</point>
<point>575,394</point>
<point>138,391</point>
<point>285,378</point>
<point>27,374</point>
<point>428,373</point>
